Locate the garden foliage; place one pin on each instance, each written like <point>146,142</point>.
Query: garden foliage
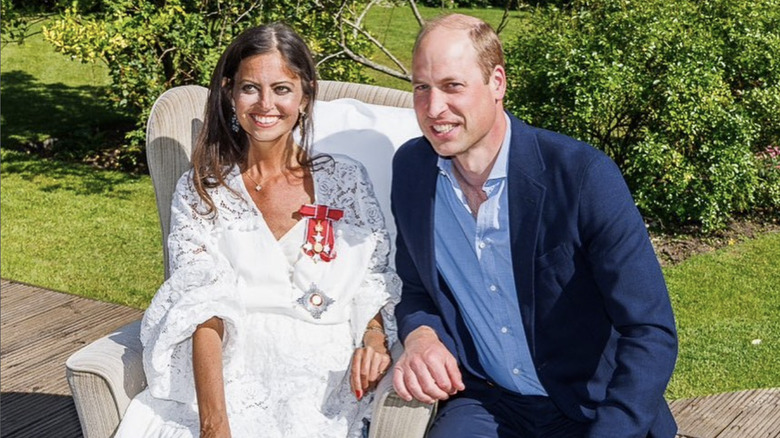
<point>684,95</point>
<point>511,4</point>
<point>15,24</point>
<point>150,46</point>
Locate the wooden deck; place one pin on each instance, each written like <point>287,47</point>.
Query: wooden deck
<point>41,328</point>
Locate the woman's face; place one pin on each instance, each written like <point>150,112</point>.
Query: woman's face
<point>268,99</point>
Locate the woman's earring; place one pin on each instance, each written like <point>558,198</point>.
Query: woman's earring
<point>302,114</point>
<point>234,122</point>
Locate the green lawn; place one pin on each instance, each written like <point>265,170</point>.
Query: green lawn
<point>65,226</point>
<point>47,96</point>
<point>95,233</point>
<point>396,28</point>
<point>724,301</point>
<point>75,229</point>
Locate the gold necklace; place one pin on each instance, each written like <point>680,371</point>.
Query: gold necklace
<point>258,186</point>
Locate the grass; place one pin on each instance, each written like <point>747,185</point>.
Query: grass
<point>723,301</point>
<point>52,104</point>
<point>64,226</point>
<point>95,233</point>
<point>396,28</point>
<point>72,228</point>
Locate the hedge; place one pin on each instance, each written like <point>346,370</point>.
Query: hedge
<point>684,95</point>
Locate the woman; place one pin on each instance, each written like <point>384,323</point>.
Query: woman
<point>271,323</point>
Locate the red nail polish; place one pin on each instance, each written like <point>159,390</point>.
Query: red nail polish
<point>358,394</point>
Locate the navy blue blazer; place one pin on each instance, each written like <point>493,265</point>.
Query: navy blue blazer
<point>592,296</point>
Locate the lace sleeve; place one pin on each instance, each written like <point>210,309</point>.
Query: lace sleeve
<point>202,285</point>
<point>381,289</point>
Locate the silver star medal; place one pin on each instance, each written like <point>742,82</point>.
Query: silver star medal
<point>315,301</point>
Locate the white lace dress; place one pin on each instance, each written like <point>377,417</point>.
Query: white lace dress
<point>285,368</point>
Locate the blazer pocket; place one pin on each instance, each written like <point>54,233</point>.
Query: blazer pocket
<point>553,257</point>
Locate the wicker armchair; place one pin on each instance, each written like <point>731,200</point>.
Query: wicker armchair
<point>106,374</point>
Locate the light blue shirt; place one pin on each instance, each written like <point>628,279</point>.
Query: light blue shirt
<point>474,257</point>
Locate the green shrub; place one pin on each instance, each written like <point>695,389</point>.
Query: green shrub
<point>768,193</point>
<point>16,22</point>
<point>682,95</point>
<point>150,46</point>
<point>452,4</point>
<point>49,6</point>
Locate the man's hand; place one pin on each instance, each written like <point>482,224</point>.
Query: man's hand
<point>426,371</point>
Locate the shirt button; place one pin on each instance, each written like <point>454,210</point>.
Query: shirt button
<point>515,371</point>
<point>504,329</point>
<point>482,245</point>
<point>493,288</point>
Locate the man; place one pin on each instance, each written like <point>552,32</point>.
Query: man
<point>533,304</point>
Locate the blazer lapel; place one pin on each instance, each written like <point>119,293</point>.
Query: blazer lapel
<point>526,201</point>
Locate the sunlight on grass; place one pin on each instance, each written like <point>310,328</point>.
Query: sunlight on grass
<point>75,229</point>
<point>47,95</point>
<point>723,301</point>
<point>37,57</point>
<point>96,233</point>
<point>396,28</point>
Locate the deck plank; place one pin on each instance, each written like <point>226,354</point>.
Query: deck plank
<point>42,328</point>
<point>709,416</point>
<point>751,413</point>
<point>39,330</point>
<point>759,419</point>
<point>23,305</point>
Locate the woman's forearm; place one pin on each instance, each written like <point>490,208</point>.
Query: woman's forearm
<point>209,382</point>
<point>374,336</point>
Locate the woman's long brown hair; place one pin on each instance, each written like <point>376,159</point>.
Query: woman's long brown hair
<point>219,148</point>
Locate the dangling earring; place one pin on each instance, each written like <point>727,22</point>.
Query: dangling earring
<point>302,115</point>
<point>234,122</point>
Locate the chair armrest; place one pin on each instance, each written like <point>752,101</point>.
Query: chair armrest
<point>395,417</point>
<point>104,376</point>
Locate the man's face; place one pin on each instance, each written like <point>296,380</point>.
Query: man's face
<point>457,111</point>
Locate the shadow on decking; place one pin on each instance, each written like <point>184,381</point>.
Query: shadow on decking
<point>38,415</point>
<point>42,328</point>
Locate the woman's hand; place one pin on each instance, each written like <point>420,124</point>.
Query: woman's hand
<point>369,364</point>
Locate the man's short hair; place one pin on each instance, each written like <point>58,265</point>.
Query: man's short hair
<point>483,37</point>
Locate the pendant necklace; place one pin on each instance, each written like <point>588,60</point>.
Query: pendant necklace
<point>258,187</point>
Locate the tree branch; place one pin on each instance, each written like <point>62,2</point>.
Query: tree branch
<point>379,45</point>
<point>339,16</point>
<point>505,17</point>
<point>362,16</point>
<point>420,20</point>
<point>376,66</point>
<point>327,58</point>
<point>251,8</point>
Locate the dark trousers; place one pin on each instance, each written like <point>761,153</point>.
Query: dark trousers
<point>485,411</point>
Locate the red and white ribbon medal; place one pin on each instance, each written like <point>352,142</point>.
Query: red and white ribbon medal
<point>319,242</point>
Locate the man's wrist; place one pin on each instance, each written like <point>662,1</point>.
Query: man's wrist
<point>421,332</point>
